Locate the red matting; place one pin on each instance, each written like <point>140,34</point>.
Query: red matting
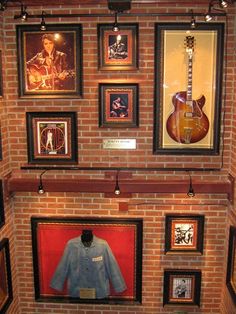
<point>53,237</point>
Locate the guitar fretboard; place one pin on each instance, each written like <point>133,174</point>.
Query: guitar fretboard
<point>189,88</point>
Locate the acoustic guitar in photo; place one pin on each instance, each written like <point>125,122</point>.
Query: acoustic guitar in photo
<point>43,77</point>
<point>188,123</point>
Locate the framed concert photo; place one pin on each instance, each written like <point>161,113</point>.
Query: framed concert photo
<point>2,213</point>
<point>184,234</point>
<point>118,50</point>
<point>118,105</point>
<point>182,287</point>
<point>87,260</point>
<point>52,137</point>
<point>188,88</point>
<point>6,295</point>
<point>231,265</point>
<point>50,62</point>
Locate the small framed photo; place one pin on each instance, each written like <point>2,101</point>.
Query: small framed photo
<point>118,50</point>
<point>6,295</point>
<point>2,214</point>
<point>182,287</point>
<point>231,264</point>
<point>118,105</point>
<point>184,234</point>
<point>87,260</point>
<point>52,137</point>
<point>50,62</point>
<point>187,93</point>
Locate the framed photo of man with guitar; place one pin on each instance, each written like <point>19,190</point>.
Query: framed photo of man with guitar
<point>50,62</point>
<point>188,71</point>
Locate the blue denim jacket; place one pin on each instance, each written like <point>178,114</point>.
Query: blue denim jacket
<point>88,267</point>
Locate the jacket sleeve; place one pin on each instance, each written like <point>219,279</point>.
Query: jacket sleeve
<point>61,272</point>
<point>113,271</point>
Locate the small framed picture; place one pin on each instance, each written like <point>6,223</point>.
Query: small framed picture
<point>52,137</point>
<point>118,105</point>
<point>118,50</point>
<point>182,287</point>
<point>6,295</point>
<point>2,214</point>
<point>184,234</point>
<point>50,62</point>
<point>87,260</point>
<point>231,265</point>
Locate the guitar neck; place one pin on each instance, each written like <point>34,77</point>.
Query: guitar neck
<point>190,72</point>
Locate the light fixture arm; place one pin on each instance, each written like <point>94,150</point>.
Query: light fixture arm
<point>40,187</point>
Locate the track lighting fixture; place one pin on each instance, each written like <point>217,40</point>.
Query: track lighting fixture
<point>3,5</point>
<point>43,24</point>
<point>117,188</point>
<point>193,21</point>
<point>115,25</point>
<point>23,13</point>
<point>224,4</point>
<point>40,187</point>
<point>208,16</point>
<point>191,192</point>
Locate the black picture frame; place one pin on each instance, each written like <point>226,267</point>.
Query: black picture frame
<point>52,237</point>
<point>231,264</point>
<point>120,58</point>
<point>182,287</point>
<point>184,234</point>
<point>58,75</point>
<point>52,137</point>
<point>1,80</point>
<point>119,105</point>
<point>184,122</point>
<point>2,213</point>
<point>5,275</point>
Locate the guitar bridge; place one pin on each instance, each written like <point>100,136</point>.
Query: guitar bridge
<point>187,135</point>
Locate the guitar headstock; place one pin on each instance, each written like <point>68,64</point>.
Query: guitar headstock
<point>189,44</point>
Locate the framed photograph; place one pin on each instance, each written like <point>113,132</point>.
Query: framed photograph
<point>184,234</point>
<point>118,105</point>
<point>187,92</point>
<point>182,287</point>
<point>50,62</point>
<point>231,265</point>
<point>2,214</point>
<point>87,260</point>
<point>6,295</point>
<point>1,83</point>
<point>118,50</point>
<point>52,137</point>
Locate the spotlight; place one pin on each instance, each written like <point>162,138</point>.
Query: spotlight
<point>3,5</point>
<point>115,27</point>
<point>191,192</point>
<point>40,187</point>
<point>23,13</point>
<point>223,4</point>
<point>117,188</point>
<point>43,24</point>
<point>193,21</point>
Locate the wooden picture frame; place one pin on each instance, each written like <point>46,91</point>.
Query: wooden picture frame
<point>50,62</point>
<point>184,234</point>
<point>118,51</point>
<point>118,105</point>
<point>115,243</point>
<point>52,137</point>
<point>2,213</point>
<point>231,264</point>
<point>184,122</point>
<point>6,295</point>
<point>182,287</point>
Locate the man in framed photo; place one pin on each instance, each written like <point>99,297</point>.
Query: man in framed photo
<point>118,49</point>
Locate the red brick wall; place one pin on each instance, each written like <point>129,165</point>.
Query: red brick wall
<point>151,207</point>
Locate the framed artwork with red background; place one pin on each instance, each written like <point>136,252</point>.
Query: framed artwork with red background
<point>68,267</point>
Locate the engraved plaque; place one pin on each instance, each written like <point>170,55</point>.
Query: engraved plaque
<point>114,143</point>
